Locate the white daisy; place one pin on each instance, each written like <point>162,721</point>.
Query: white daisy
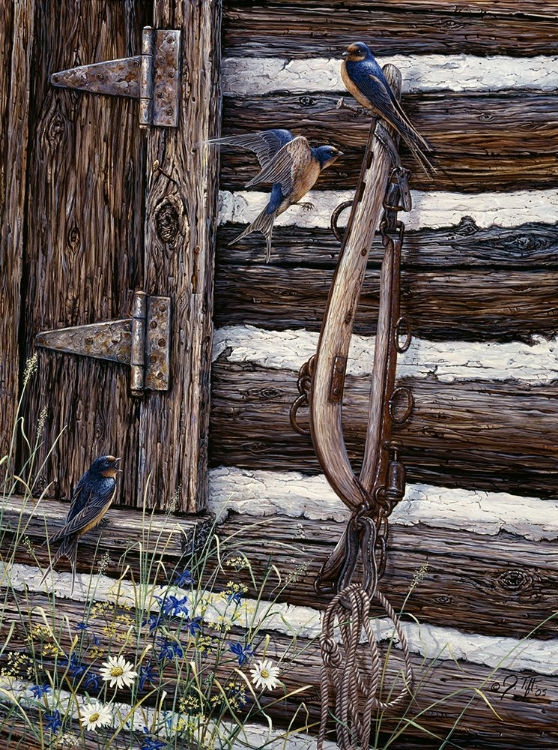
<point>118,672</point>
<point>95,715</point>
<point>265,675</point>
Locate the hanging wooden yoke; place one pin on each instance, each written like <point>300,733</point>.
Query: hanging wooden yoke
<point>382,191</point>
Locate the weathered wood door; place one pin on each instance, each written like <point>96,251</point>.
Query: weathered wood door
<point>95,209</point>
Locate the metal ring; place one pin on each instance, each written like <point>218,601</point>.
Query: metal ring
<point>410,405</point>
<point>335,216</point>
<point>299,401</point>
<point>407,343</point>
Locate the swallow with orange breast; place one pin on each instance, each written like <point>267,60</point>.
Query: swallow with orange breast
<point>91,498</point>
<point>289,164</point>
<point>366,81</point>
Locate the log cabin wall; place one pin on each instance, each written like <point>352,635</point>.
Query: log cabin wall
<point>479,287</point>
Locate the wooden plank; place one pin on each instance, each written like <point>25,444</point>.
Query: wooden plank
<point>180,227</point>
<point>84,239</point>
<point>123,541</point>
<point>481,141</point>
<point>476,304</point>
<point>528,247</point>
<point>497,585</point>
<point>293,31</point>
<point>17,23</point>
<point>480,435</point>
<point>491,584</point>
<point>525,701</point>
<point>520,8</point>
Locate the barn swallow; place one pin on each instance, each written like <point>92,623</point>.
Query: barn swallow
<point>366,81</point>
<point>289,163</point>
<point>90,500</point>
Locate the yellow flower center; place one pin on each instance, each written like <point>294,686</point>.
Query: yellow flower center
<point>264,673</point>
<point>94,717</point>
<point>116,672</point>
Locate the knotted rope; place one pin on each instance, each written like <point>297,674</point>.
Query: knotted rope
<point>356,687</point>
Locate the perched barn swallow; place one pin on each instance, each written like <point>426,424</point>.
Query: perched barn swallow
<point>289,163</point>
<point>366,81</point>
<point>91,499</point>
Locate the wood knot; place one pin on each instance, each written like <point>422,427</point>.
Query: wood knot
<point>512,585</point>
<point>166,223</point>
<point>74,238</point>
<point>466,227</point>
<point>306,101</point>
<point>514,580</point>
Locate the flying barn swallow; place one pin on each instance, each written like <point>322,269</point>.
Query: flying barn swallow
<point>91,499</point>
<point>289,163</point>
<point>366,81</point>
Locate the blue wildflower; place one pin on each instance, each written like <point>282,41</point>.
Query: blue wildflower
<point>75,667</point>
<point>53,722</point>
<point>39,690</point>
<point>152,743</point>
<point>153,621</point>
<point>172,606</point>
<point>169,649</point>
<point>195,625</point>
<point>243,653</point>
<point>92,681</point>
<point>146,674</point>
<point>184,579</point>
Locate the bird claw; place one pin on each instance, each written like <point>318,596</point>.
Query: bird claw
<point>357,111</point>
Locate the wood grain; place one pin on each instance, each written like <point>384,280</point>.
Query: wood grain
<point>498,585</point>
<point>530,247</point>
<point>519,8</point>
<point>296,30</point>
<point>84,239</point>
<point>525,701</point>
<point>498,305</point>
<point>479,435</point>
<point>180,229</point>
<point>17,21</point>
<point>123,541</point>
<point>481,141</point>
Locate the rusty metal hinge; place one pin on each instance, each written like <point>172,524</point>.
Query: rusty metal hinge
<point>152,77</point>
<point>142,341</point>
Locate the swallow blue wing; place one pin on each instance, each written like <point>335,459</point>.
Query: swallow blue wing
<point>378,91</point>
<point>265,143</point>
<point>281,169</point>
<point>93,505</point>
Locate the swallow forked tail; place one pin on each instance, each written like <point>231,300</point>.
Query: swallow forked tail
<point>67,548</point>
<point>264,224</point>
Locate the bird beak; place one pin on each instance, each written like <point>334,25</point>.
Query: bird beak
<point>116,460</point>
<point>340,153</point>
<point>345,54</point>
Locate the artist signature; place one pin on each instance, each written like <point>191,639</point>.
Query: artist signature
<point>514,685</point>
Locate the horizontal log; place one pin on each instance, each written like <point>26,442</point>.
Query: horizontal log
<point>525,701</point>
<point>293,30</point>
<point>480,435</point>
<point>480,141</point>
<point>488,8</point>
<point>123,539</point>
<point>474,304</point>
<point>495,585</point>
<point>530,246</point>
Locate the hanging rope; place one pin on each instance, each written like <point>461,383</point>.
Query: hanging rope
<point>347,679</point>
